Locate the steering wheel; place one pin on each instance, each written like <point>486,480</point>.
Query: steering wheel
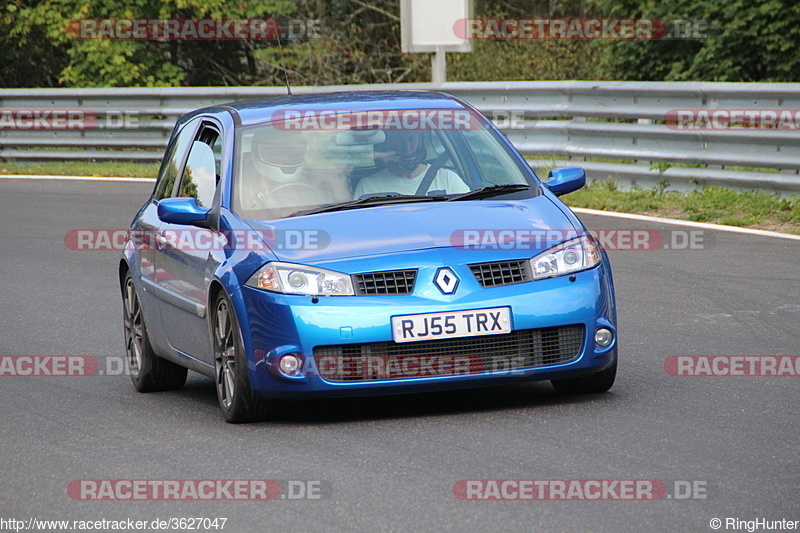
<point>299,189</point>
<point>297,185</point>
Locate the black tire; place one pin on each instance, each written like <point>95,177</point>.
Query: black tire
<point>236,398</point>
<point>148,371</point>
<point>589,384</point>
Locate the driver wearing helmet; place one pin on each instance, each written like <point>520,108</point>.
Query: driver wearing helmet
<point>279,155</point>
<point>404,154</point>
<point>273,175</point>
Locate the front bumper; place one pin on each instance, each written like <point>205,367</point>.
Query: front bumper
<point>281,324</point>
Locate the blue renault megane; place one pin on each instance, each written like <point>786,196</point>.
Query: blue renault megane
<point>356,244</point>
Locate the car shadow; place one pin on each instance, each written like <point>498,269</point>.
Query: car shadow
<point>426,404</point>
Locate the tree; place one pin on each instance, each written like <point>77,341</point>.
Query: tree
<point>358,42</point>
<point>752,40</point>
<point>35,31</point>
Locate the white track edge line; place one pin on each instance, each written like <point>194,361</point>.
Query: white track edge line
<point>74,178</point>
<point>704,225</point>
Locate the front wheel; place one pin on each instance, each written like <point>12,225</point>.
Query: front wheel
<point>149,372</point>
<point>235,396</point>
<point>592,384</point>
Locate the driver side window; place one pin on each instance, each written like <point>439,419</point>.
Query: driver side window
<point>201,174</point>
<point>173,159</point>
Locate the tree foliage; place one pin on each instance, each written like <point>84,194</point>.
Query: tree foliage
<point>754,40</point>
<point>526,60</point>
<point>359,42</point>
<point>36,30</point>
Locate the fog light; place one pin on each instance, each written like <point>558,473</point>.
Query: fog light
<point>603,337</point>
<point>289,364</point>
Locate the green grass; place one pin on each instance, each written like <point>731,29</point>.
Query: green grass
<point>83,168</point>
<point>716,205</point>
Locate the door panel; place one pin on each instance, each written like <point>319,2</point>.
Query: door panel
<point>186,256</point>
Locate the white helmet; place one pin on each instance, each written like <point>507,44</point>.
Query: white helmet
<point>279,155</point>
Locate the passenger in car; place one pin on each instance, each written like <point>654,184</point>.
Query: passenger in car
<point>403,154</point>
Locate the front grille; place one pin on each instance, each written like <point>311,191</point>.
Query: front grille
<point>389,282</point>
<point>502,273</point>
<point>528,348</point>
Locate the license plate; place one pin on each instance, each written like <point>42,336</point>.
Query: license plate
<point>429,326</point>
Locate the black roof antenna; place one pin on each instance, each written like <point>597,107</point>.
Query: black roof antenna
<point>285,74</point>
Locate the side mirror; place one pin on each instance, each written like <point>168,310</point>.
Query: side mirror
<point>564,180</point>
<point>183,211</point>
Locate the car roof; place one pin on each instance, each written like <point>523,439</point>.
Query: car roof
<point>262,110</point>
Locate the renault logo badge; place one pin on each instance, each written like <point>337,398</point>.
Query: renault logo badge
<point>446,280</point>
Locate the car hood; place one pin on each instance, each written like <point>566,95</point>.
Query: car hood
<point>374,231</point>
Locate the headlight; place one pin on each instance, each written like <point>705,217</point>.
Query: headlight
<point>566,258</point>
<point>298,279</point>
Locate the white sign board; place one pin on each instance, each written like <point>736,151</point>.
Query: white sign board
<point>428,24</point>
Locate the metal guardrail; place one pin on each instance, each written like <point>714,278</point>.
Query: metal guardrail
<point>555,123</point>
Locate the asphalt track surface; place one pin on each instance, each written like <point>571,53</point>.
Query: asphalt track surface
<point>390,464</point>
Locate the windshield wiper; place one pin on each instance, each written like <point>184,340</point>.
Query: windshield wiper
<point>490,191</point>
<point>370,201</point>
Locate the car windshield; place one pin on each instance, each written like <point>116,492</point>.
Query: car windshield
<point>286,168</point>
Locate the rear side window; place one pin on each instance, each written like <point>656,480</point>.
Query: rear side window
<point>173,160</point>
